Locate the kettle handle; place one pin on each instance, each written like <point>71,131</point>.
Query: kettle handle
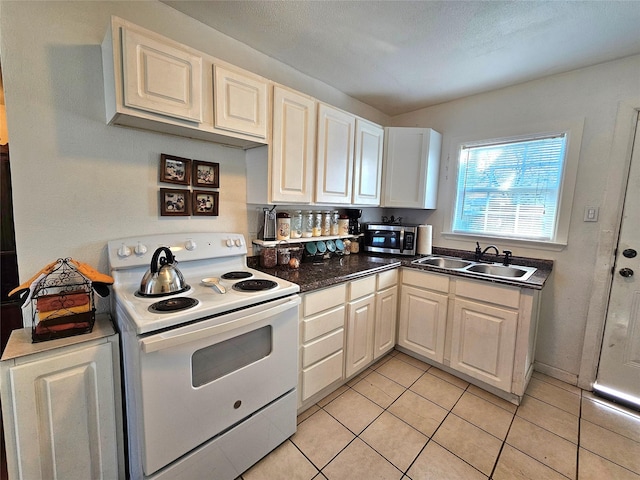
<point>156,255</point>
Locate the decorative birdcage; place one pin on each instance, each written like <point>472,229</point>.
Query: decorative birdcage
<point>62,303</point>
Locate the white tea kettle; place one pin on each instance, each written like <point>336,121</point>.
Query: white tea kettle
<point>163,277</point>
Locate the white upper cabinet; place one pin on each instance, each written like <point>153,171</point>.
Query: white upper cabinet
<point>334,161</point>
<point>367,174</point>
<point>293,145</point>
<point>411,167</point>
<point>161,76</point>
<point>240,102</point>
<point>154,83</point>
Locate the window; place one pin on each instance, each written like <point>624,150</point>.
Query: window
<point>511,188</point>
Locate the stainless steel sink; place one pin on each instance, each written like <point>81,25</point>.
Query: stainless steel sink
<point>494,270</point>
<point>502,271</point>
<point>443,262</point>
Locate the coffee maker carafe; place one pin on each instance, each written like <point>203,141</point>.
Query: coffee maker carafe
<point>354,215</point>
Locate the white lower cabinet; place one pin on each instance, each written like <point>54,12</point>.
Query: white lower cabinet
<point>484,331</point>
<point>61,406</point>
<point>423,313</point>
<point>321,340</point>
<point>343,330</point>
<point>360,324</point>
<point>386,313</point>
<point>483,342</point>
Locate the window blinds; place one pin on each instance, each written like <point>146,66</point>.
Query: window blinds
<point>510,189</point>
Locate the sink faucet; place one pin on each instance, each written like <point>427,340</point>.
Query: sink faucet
<point>480,252</point>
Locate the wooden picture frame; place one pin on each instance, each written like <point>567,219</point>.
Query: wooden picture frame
<point>205,203</point>
<point>206,174</point>
<point>175,169</point>
<point>174,202</point>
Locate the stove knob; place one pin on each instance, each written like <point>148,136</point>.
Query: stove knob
<point>229,242</point>
<point>140,249</point>
<point>190,245</point>
<point>238,242</point>
<point>124,251</point>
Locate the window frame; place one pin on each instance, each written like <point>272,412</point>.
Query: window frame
<point>572,129</point>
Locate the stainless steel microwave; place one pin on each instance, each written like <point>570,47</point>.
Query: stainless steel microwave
<point>386,238</point>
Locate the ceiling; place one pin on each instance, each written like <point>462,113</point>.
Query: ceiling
<point>400,56</point>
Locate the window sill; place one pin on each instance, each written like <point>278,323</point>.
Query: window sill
<point>536,244</point>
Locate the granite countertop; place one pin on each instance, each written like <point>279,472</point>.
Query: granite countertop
<point>312,276</point>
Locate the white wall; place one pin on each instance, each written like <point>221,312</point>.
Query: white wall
<point>596,94</point>
<point>77,182</point>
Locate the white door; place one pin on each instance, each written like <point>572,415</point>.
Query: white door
<point>619,368</point>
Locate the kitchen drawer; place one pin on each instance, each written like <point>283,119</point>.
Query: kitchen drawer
<point>488,292</point>
<point>322,323</point>
<point>322,347</point>
<point>421,279</point>
<point>324,299</point>
<point>322,374</point>
<point>387,279</point>
<point>362,287</point>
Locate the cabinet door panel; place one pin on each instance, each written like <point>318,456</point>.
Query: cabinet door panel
<point>385,328</point>
<point>240,102</point>
<point>322,374</point>
<point>334,169</point>
<point>360,324</point>
<point>161,77</point>
<point>293,147</point>
<point>422,322</point>
<point>483,342</point>
<point>367,182</point>
<point>72,414</point>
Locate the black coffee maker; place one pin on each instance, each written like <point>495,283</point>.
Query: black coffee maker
<point>354,215</point>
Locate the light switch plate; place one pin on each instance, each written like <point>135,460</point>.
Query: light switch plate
<point>591,214</point>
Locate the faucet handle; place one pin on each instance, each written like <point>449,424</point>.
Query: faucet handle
<point>507,257</point>
<point>478,251</point>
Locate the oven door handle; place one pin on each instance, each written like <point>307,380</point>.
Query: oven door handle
<point>174,338</point>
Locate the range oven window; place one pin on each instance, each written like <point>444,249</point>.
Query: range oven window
<point>215,361</point>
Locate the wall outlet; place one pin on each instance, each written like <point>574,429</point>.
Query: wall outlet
<point>591,214</point>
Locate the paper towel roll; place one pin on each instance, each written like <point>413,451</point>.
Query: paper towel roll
<point>425,233</point>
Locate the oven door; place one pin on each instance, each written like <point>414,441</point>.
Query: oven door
<point>200,379</point>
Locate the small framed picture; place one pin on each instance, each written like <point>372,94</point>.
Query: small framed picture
<point>175,169</point>
<point>206,174</point>
<point>205,203</point>
<point>174,202</point>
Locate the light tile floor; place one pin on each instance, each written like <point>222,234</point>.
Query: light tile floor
<point>403,419</point>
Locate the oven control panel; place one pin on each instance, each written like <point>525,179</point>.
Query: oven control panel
<point>138,251</point>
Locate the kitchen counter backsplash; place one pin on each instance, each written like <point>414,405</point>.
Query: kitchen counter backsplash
<point>312,276</point>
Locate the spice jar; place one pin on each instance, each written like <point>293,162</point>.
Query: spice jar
<point>296,224</point>
<point>317,223</point>
<point>343,225</point>
<point>307,224</point>
<point>326,223</point>
<point>334,223</point>
<point>284,255</point>
<point>283,226</point>
<point>355,246</point>
<point>347,247</point>
<point>268,257</point>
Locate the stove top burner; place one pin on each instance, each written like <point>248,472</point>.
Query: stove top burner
<point>237,275</point>
<point>171,305</point>
<point>254,285</point>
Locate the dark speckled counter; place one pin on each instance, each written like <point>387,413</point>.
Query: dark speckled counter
<point>312,276</point>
